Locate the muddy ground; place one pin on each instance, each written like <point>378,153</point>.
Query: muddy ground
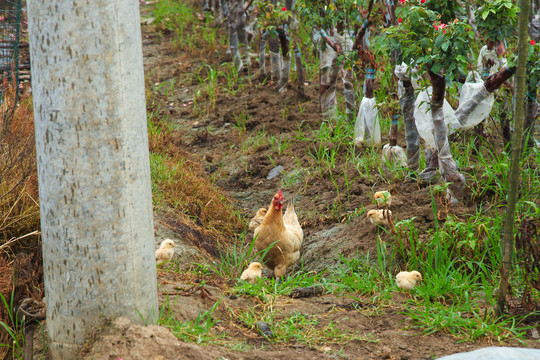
<point>213,140</point>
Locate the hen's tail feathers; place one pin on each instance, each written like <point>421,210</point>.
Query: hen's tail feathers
<point>290,216</point>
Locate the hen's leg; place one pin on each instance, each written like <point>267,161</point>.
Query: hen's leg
<point>279,271</point>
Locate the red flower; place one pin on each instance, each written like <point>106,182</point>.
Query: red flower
<point>402,1</point>
<point>422,1</point>
<point>284,8</point>
<point>533,42</point>
<point>399,21</point>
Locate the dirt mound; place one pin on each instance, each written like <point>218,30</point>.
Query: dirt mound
<point>128,341</point>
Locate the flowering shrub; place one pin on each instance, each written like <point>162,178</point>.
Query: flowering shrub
<point>326,15</point>
<point>447,9</point>
<point>270,16</point>
<point>430,43</point>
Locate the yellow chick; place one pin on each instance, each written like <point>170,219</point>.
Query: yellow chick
<point>165,251</point>
<point>380,217</point>
<point>252,272</point>
<point>257,220</point>
<point>382,199</point>
<point>407,280</point>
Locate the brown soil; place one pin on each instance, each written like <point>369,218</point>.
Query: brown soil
<point>214,141</point>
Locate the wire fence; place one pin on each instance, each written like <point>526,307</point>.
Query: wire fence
<point>10,20</point>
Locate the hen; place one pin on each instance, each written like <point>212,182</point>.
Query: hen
<point>252,272</point>
<point>257,219</point>
<point>165,251</point>
<point>407,280</point>
<point>283,230</point>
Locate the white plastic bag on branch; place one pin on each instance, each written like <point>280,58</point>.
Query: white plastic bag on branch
<point>393,156</point>
<point>424,120</point>
<point>404,73</point>
<point>484,57</point>
<point>477,110</point>
<point>367,129</point>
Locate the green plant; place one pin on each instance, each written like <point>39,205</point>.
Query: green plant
<point>15,328</point>
<point>240,122</point>
<point>430,43</point>
<point>497,19</point>
<point>198,331</point>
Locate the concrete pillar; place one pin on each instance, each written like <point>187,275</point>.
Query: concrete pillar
<point>93,166</point>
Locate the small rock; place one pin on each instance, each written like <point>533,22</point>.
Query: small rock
<point>274,172</point>
<point>265,329</point>
<point>386,352</point>
<point>147,21</point>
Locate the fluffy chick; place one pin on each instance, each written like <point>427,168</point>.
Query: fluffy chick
<point>165,251</point>
<point>383,199</point>
<point>407,280</point>
<point>380,217</point>
<point>257,220</point>
<point>252,272</point>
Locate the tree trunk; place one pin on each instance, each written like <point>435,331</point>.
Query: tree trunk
<point>411,132</point>
<point>517,143</point>
<point>301,78</point>
<point>447,165</point>
<point>93,167</point>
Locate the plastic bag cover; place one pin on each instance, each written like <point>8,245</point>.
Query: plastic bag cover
<point>367,129</point>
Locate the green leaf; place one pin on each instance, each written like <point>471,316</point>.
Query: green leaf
<point>436,68</point>
<point>445,46</point>
<point>438,41</point>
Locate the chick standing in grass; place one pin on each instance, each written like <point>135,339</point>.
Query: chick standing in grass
<point>257,220</point>
<point>252,272</point>
<point>407,280</point>
<point>165,251</point>
<point>380,217</point>
<point>382,199</point>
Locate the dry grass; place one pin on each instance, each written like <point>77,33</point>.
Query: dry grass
<point>19,209</point>
<point>18,178</point>
<point>185,189</point>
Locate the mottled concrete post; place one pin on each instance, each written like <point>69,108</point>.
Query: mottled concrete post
<point>93,166</point>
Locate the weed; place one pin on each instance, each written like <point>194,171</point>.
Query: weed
<point>197,331</point>
<point>14,329</point>
<point>241,121</point>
